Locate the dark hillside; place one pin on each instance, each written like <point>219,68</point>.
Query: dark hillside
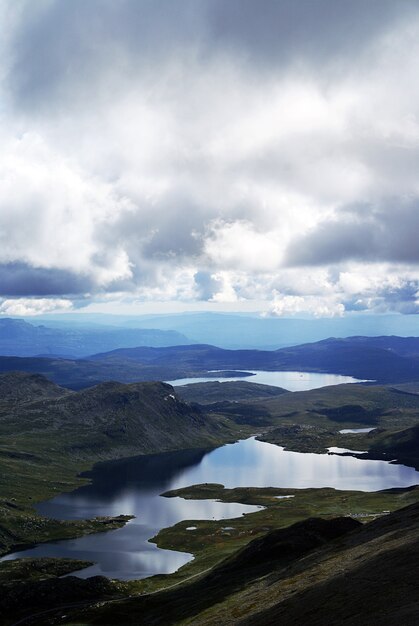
<point>402,445</point>
<point>18,387</point>
<point>140,417</point>
<point>208,393</point>
<point>358,357</point>
<point>315,572</point>
<point>378,359</point>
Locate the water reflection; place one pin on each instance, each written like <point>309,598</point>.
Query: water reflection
<point>293,381</point>
<point>134,486</point>
<point>354,431</point>
<point>336,450</point>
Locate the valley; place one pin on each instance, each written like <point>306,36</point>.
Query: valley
<point>50,434</point>
<point>209,313</point>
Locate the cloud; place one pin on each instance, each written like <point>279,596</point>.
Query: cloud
<point>29,306</point>
<point>21,279</point>
<point>386,232</point>
<point>204,150</point>
<point>286,306</point>
<point>238,245</point>
<point>286,31</point>
<point>51,212</point>
<point>58,45</point>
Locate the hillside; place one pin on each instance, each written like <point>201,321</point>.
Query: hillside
<point>315,572</point>
<point>208,393</point>
<point>49,435</point>
<point>138,417</point>
<point>383,359</point>
<point>311,421</point>
<point>19,387</point>
<point>79,374</point>
<point>402,445</point>
<point>358,357</point>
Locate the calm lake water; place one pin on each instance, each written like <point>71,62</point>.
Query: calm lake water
<point>354,431</point>
<point>293,381</point>
<point>133,486</point>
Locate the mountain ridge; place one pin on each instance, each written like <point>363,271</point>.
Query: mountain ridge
<point>142,417</point>
<point>20,338</point>
<point>392,361</point>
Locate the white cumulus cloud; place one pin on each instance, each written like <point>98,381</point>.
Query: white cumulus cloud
<point>32,306</point>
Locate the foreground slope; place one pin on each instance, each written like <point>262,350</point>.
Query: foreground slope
<point>316,572</point>
<point>369,577</point>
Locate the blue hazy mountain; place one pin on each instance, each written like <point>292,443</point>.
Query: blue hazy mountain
<point>232,330</point>
<point>382,359</point>
<point>19,338</point>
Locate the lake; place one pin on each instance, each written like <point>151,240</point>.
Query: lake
<point>293,381</point>
<point>354,431</point>
<point>133,486</point>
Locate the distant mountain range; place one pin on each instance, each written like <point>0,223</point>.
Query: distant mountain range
<point>19,338</point>
<point>252,331</point>
<point>382,359</point>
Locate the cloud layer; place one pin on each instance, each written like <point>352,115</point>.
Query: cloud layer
<point>202,150</point>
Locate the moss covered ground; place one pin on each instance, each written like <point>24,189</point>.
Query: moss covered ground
<point>213,540</point>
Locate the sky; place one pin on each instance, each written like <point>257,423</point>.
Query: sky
<point>161,155</point>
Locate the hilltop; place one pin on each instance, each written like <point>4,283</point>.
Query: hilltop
<point>383,359</point>
<point>109,418</point>
<point>19,387</point>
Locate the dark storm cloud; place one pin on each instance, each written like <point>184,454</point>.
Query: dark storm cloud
<point>174,234</point>
<point>62,44</point>
<point>401,299</point>
<point>157,231</point>
<point>364,233</point>
<point>20,279</point>
<point>207,285</point>
<point>302,30</point>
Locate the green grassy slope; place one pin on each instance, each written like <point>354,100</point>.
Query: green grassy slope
<point>48,435</point>
<point>313,573</point>
<point>310,421</point>
<point>48,438</point>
